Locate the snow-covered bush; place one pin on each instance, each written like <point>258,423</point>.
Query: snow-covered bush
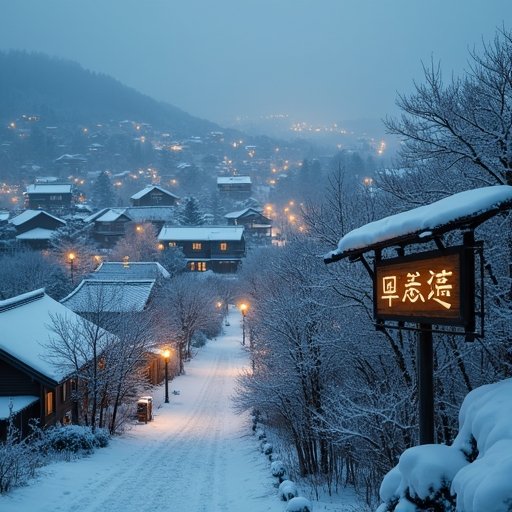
<point>71,438</point>
<point>471,475</point>
<point>199,339</point>
<point>261,434</point>
<point>266,448</point>
<point>102,437</point>
<point>278,469</point>
<point>299,504</point>
<point>287,490</point>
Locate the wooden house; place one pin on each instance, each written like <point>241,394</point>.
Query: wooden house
<point>36,227</point>
<point>153,195</point>
<point>55,197</point>
<point>258,228</point>
<point>217,248</point>
<point>30,385</point>
<point>235,187</point>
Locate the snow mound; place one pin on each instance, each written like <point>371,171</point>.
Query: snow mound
<point>471,475</point>
<point>287,490</point>
<point>299,504</point>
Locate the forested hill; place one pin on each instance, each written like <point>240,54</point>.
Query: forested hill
<point>61,90</point>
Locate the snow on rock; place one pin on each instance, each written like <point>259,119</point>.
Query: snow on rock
<point>471,475</point>
<point>299,504</point>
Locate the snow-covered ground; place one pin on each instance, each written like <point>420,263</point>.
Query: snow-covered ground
<point>197,455</point>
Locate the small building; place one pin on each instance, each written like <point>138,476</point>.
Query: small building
<point>36,227</point>
<point>217,248</point>
<point>153,195</point>
<point>235,187</point>
<point>111,224</point>
<point>55,197</point>
<point>258,228</point>
<point>30,385</point>
<point>122,271</point>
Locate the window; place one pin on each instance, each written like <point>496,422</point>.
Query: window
<point>49,402</point>
<point>56,198</point>
<point>196,246</point>
<point>201,266</point>
<point>223,246</point>
<point>172,244</point>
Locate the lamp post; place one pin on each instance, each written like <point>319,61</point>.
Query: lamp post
<point>71,261</point>
<point>243,309</point>
<point>167,355</point>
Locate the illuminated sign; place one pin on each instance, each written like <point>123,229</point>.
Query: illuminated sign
<point>434,287</point>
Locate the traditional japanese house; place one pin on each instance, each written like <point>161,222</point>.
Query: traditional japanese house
<point>258,228</point>
<point>153,195</point>
<point>217,248</point>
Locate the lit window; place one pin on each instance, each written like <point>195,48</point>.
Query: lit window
<point>49,402</point>
<point>192,266</point>
<point>201,266</point>
<point>223,246</point>
<point>196,246</point>
<point>172,244</point>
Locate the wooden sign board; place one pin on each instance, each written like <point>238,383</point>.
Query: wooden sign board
<point>433,287</point>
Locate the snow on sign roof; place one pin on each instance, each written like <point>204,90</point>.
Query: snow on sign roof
<point>462,209</point>
<point>149,188</point>
<point>200,233</point>
<point>110,296</point>
<point>25,327</point>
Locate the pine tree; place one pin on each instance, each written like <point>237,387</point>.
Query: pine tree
<point>103,194</point>
<point>191,214</point>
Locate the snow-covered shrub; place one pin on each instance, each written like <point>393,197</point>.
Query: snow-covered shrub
<point>278,469</point>
<point>266,448</point>
<point>199,339</point>
<point>473,474</point>
<point>287,490</point>
<point>71,438</point>
<point>261,434</point>
<point>101,437</point>
<point>299,504</point>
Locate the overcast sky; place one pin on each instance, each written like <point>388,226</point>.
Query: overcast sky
<point>317,60</point>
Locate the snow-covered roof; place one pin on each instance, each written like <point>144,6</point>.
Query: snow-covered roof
<point>240,213</point>
<point>226,180</point>
<point>113,270</point>
<point>36,234</point>
<point>198,233</point>
<point>111,215</point>
<point>30,214</point>
<point>4,215</point>
<point>464,208</point>
<point>149,188</point>
<point>18,404</point>
<point>49,188</point>
<point>25,327</point>
<point>151,213</point>
<point>111,296</point>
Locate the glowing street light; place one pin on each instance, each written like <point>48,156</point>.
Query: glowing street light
<point>167,354</point>
<point>243,309</point>
<point>71,261</point>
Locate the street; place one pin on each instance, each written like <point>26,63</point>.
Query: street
<point>197,454</point>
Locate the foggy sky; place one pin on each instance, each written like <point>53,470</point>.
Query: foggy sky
<point>317,60</point>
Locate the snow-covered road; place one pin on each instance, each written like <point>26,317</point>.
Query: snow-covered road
<point>197,455</point>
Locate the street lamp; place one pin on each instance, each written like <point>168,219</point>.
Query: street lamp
<point>167,355</point>
<point>71,261</point>
<point>243,309</point>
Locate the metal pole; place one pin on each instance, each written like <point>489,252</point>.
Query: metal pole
<point>166,381</point>
<point>243,328</point>
<point>71,270</point>
<point>425,360</point>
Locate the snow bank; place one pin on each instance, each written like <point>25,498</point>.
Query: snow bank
<point>471,475</point>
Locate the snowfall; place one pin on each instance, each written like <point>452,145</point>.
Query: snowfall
<point>196,455</point>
